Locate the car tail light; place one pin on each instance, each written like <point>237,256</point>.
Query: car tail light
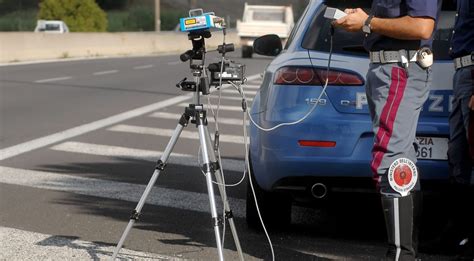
<point>316,76</point>
<point>317,143</point>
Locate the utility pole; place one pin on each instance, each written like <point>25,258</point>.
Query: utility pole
<point>19,20</point>
<point>157,16</point>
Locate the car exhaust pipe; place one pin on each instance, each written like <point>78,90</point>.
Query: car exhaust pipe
<point>319,190</point>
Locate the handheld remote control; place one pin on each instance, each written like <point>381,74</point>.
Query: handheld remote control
<point>334,13</point>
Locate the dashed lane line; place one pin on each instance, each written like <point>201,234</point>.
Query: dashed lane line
<point>54,79</point>
<point>105,72</point>
<point>148,66</point>
<point>175,63</point>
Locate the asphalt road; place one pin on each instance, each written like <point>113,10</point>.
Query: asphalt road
<point>78,142</point>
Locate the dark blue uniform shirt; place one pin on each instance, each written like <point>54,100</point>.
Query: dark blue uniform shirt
<point>463,34</point>
<point>400,8</point>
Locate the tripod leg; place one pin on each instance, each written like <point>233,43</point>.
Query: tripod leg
<point>203,136</point>
<point>222,192</point>
<point>159,167</point>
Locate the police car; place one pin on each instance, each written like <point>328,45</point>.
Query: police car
<point>329,153</point>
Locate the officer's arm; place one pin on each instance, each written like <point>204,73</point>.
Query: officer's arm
<point>405,28</point>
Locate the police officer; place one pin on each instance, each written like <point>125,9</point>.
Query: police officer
<point>398,37</point>
<point>461,193</point>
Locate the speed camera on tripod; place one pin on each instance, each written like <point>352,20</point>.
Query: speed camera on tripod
<point>200,21</point>
<point>198,26</point>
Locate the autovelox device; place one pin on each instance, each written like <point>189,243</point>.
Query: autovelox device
<point>198,27</point>
<point>200,21</point>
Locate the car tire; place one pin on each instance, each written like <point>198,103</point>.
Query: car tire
<point>275,208</point>
<point>247,51</point>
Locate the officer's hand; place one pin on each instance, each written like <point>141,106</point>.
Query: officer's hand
<point>471,103</point>
<point>349,10</point>
<point>353,21</point>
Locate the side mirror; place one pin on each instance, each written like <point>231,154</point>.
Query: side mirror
<point>268,45</point>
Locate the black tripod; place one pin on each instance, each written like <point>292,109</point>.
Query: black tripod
<point>198,116</point>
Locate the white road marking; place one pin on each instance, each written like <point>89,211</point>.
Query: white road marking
<point>79,130</point>
<point>251,86</point>
<point>169,132</point>
<point>143,67</point>
<point>148,155</point>
<point>233,91</point>
<point>257,80</point>
<point>24,245</point>
<point>105,72</point>
<point>54,79</point>
<point>159,196</point>
<point>222,107</point>
<point>177,116</point>
<point>174,63</point>
<point>82,129</point>
<point>235,98</point>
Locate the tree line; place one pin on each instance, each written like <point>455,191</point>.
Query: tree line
<point>7,6</point>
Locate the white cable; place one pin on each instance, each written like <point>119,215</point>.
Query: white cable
<point>246,140</point>
<point>216,124</point>
<point>290,123</point>
<point>247,112</point>
<point>247,164</point>
<point>308,113</point>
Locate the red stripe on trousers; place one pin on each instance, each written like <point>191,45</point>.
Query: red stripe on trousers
<point>387,118</point>
<point>470,132</point>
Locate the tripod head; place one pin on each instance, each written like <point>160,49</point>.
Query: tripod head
<point>199,46</point>
<point>201,82</point>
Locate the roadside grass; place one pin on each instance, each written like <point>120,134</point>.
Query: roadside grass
<point>64,55</point>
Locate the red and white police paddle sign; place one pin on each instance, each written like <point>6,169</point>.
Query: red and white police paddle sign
<point>402,176</point>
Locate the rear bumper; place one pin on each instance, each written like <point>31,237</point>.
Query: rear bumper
<point>300,188</point>
<point>273,168</point>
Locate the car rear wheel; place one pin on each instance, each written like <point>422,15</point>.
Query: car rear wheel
<point>275,208</point>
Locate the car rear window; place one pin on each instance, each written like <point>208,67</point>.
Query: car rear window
<point>317,36</point>
<point>268,15</point>
<point>52,27</point>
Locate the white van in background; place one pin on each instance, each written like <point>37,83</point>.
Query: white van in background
<point>259,20</point>
<point>51,26</point>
